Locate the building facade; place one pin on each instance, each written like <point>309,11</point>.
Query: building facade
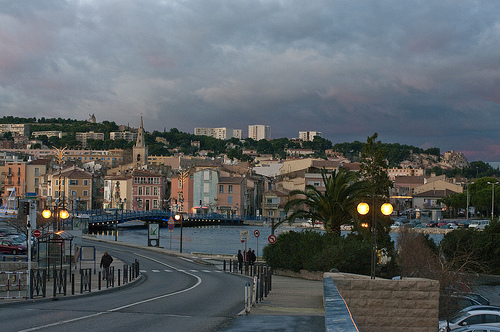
<point>258,132</point>
<point>309,135</point>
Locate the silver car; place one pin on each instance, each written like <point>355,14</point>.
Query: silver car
<point>471,318</point>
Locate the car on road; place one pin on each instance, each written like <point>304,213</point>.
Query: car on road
<point>11,247</point>
<point>471,318</point>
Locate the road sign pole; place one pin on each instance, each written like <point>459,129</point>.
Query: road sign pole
<point>29,255</point>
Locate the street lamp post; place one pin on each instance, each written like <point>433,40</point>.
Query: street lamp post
<point>363,209</point>
<point>493,199</point>
<point>178,217</point>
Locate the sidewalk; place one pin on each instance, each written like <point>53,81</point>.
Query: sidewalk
<point>293,304</point>
<point>75,288</point>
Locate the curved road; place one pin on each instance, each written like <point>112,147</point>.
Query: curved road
<point>175,294</point>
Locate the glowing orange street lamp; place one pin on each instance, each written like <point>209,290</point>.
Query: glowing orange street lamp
<point>363,209</point>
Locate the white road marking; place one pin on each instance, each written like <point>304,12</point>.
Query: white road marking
<point>125,306</point>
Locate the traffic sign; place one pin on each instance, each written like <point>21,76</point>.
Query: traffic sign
<point>37,233</point>
<point>272,238</point>
<point>170,226</point>
<point>244,235</point>
<point>256,233</point>
<point>170,222</point>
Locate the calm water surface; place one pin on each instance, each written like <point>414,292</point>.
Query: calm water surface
<point>208,239</point>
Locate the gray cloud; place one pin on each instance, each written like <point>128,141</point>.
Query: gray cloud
<point>416,72</point>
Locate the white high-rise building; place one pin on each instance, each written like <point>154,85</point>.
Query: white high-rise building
<point>309,135</point>
<point>258,132</point>
<point>219,133</point>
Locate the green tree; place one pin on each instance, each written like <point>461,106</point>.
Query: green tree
<point>334,207</point>
<point>374,165</point>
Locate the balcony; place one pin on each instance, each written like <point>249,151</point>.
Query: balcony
<point>270,206</point>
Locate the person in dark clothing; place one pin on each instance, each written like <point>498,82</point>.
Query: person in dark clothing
<point>106,261</point>
<point>240,260</point>
<point>254,257</point>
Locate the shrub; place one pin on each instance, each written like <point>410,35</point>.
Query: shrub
<point>314,251</point>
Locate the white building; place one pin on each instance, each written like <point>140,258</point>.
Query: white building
<point>48,133</point>
<point>15,129</point>
<point>258,132</point>
<point>129,136</point>
<point>219,133</point>
<point>309,135</point>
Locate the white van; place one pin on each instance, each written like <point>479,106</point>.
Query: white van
<point>479,224</point>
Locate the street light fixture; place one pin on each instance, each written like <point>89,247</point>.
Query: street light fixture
<point>58,213</point>
<point>493,199</point>
<point>363,209</point>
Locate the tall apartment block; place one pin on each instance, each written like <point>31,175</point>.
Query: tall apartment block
<point>258,132</point>
<point>219,133</point>
<point>15,129</point>
<point>129,136</point>
<point>309,135</point>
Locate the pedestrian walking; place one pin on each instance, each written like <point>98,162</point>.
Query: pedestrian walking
<point>240,260</point>
<point>106,261</point>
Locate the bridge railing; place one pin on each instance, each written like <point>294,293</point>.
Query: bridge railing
<point>110,216</point>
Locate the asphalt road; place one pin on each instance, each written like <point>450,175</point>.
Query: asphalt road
<point>175,294</point>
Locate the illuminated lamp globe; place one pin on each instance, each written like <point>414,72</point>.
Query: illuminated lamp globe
<point>363,208</point>
<point>386,209</point>
<point>46,214</point>
<point>63,214</point>
<point>177,217</point>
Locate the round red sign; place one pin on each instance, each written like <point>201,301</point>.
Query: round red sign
<point>256,233</point>
<point>272,238</point>
<point>37,233</point>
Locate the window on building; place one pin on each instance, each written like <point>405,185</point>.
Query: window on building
<point>73,182</point>
<point>230,189</point>
<point>85,182</point>
<point>57,182</point>
<point>206,188</point>
<point>155,191</point>
<point>139,191</point>
<point>155,204</point>
<point>229,199</point>
<point>37,182</point>
<point>85,193</point>
<point>37,171</point>
<point>221,188</point>
<point>148,191</point>
<point>56,193</point>
<point>73,193</point>
<point>271,213</point>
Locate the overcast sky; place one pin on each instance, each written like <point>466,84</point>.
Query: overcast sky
<point>423,73</point>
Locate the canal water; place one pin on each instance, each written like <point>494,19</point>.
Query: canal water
<point>224,240</point>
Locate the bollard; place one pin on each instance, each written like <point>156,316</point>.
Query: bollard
<point>118,277</point>
<point>224,265</point>
<point>72,284</point>
<point>99,281</point>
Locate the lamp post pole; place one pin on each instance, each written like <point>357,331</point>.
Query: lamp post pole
<point>364,208</point>
<point>493,199</point>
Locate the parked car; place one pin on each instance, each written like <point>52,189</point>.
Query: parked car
<point>11,247</point>
<point>480,307</point>
<point>431,224</point>
<point>470,318</point>
<point>478,328</point>
<point>479,224</point>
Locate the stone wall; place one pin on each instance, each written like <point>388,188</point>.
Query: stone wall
<point>409,305</point>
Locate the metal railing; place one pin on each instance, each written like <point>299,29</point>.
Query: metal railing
<point>262,280</point>
<point>39,279</point>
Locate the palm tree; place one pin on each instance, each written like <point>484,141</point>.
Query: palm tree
<point>334,207</point>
